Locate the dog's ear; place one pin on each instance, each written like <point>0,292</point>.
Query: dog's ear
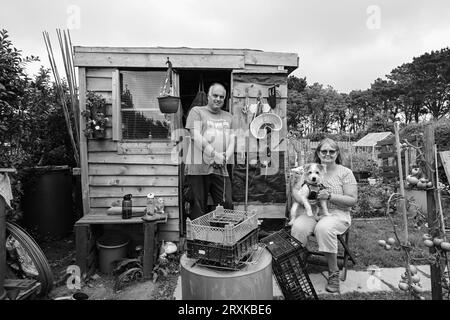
<point>307,167</point>
<point>322,168</point>
<point>297,176</point>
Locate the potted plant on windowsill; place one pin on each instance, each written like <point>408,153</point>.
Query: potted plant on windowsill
<point>95,116</point>
<point>167,101</point>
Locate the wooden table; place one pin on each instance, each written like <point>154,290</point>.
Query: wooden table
<point>85,240</point>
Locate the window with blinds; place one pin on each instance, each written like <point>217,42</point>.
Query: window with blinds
<point>141,117</point>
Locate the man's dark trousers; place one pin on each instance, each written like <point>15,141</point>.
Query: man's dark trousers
<point>200,185</point>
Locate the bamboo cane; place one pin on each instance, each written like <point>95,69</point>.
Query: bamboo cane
<point>402,187</point>
<point>61,95</point>
<point>64,49</point>
<point>441,212</point>
<point>441,215</point>
<point>75,85</point>
<point>402,199</point>
<point>66,54</point>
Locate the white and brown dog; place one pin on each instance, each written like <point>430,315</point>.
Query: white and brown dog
<point>307,182</point>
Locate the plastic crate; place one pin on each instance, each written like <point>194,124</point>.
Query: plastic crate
<point>289,266</point>
<point>281,243</point>
<point>222,226</point>
<point>219,255</point>
<point>293,279</point>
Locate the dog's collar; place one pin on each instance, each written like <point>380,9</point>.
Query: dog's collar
<point>313,190</point>
<point>318,185</point>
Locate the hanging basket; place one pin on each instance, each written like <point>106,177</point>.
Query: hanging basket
<point>168,104</point>
<point>96,134</point>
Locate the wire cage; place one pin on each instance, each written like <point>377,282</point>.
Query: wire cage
<point>223,226</point>
<point>289,266</point>
<point>233,257</point>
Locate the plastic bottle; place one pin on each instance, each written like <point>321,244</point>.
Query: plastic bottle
<point>127,207</point>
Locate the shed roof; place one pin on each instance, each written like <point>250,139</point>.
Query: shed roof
<point>371,139</point>
<point>183,57</point>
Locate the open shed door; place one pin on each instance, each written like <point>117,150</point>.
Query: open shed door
<point>267,190</point>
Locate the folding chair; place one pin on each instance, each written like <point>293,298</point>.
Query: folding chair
<point>318,258</point>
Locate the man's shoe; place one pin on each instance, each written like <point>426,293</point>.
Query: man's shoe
<point>333,282</point>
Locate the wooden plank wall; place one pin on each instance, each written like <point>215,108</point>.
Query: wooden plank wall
<point>116,168</point>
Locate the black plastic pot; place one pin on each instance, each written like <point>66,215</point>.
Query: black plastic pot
<point>168,104</point>
<point>361,175</point>
<point>47,200</point>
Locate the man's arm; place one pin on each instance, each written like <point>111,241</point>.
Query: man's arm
<point>230,149</point>
<point>201,143</point>
<point>194,126</point>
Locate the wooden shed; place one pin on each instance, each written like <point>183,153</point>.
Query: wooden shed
<point>369,143</point>
<point>136,155</point>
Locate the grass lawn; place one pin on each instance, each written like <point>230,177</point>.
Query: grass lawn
<point>365,234</point>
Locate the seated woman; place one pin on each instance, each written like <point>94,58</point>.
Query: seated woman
<point>342,193</point>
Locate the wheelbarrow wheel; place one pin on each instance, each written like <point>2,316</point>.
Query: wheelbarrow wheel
<point>25,253</point>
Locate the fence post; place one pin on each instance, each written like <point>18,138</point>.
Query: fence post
<point>2,247</point>
<point>436,287</point>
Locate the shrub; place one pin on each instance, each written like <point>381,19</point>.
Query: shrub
<point>372,200</point>
<point>32,124</point>
<point>415,131</point>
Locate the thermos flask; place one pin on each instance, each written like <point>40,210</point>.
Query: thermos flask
<point>126,207</point>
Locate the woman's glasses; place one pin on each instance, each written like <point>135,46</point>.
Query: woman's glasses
<point>330,152</point>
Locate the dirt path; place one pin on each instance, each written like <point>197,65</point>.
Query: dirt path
<point>103,289</point>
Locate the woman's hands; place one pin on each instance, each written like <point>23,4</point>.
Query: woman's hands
<point>324,195</point>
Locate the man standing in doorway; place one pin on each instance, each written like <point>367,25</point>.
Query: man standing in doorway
<point>212,147</point>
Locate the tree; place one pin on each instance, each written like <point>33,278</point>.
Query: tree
<point>13,87</point>
<point>410,97</point>
<point>385,94</point>
<point>362,107</point>
<point>295,104</point>
<point>31,118</point>
<point>431,78</point>
<point>297,84</point>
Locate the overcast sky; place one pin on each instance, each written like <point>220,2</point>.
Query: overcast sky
<point>345,44</point>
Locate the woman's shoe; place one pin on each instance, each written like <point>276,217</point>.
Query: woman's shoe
<point>333,282</point>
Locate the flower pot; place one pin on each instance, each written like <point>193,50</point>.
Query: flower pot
<point>99,134</point>
<point>168,104</point>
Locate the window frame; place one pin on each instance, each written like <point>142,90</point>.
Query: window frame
<point>117,111</point>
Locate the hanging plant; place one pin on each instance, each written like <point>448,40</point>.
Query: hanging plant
<point>95,116</point>
<point>168,102</point>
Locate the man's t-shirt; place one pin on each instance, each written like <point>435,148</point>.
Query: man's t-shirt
<point>216,128</point>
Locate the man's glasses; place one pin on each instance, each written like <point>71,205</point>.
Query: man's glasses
<point>325,152</point>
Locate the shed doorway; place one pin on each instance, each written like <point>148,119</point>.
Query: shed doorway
<point>190,81</point>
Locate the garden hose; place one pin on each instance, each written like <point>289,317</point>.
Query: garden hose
<point>45,275</point>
